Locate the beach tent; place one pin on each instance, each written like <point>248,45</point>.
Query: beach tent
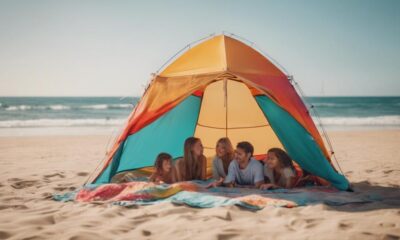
<point>220,87</point>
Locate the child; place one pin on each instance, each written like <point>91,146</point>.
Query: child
<point>164,170</point>
<point>279,169</point>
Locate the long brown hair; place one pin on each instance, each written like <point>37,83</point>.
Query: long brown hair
<point>192,168</point>
<point>282,156</point>
<point>226,160</point>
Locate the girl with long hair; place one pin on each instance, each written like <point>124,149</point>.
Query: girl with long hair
<point>193,164</point>
<point>279,169</point>
<point>224,156</point>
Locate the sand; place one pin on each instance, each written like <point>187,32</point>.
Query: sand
<point>32,168</point>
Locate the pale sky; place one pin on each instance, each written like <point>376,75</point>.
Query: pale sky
<point>110,48</point>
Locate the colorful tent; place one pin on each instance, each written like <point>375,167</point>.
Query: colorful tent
<point>220,87</point>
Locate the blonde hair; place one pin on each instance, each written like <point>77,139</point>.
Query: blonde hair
<point>226,160</point>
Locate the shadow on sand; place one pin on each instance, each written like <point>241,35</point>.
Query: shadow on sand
<point>386,197</point>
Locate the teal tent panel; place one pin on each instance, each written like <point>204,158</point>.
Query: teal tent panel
<point>167,134</point>
<point>299,144</point>
<point>104,176</point>
<point>111,169</point>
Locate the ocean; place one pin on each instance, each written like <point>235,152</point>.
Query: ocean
<point>32,115</point>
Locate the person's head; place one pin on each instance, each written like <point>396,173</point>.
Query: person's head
<point>193,147</point>
<point>277,158</point>
<point>224,148</point>
<point>163,163</point>
<point>244,151</point>
<point>192,158</point>
<point>225,152</point>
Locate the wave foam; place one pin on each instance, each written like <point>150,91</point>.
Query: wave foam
<point>106,106</point>
<point>362,121</point>
<point>327,121</point>
<point>59,107</point>
<point>60,123</point>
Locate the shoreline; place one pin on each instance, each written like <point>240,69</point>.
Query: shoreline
<point>114,130</point>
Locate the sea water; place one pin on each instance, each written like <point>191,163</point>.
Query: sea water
<point>87,115</point>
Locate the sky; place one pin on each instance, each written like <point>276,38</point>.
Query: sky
<point>110,48</point>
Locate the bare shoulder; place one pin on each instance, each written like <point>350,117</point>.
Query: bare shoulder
<point>289,172</point>
<point>178,161</point>
<point>178,164</point>
<point>178,168</point>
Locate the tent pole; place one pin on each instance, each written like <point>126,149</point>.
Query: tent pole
<point>255,46</point>
<point>324,132</point>
<point>226,105</point>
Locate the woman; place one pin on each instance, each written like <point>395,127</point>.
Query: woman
<point>224,156</point>
<point>193,164</point>
<point>279,169</point>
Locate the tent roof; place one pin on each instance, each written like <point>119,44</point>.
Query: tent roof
<point>207,61</point>
<point>218,54</point>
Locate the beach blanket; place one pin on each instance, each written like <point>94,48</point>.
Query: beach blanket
<point>195,194</point>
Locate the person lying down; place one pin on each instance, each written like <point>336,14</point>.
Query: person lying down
<point>277,170</point>
<point>164,171</point>
<point>244,170</point>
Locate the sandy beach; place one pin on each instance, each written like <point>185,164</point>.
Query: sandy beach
<point>35,167</point>
<point>166,77</point>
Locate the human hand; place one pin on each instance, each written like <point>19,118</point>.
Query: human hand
<point>215,184</point>
<point>267,186</point>
<point>212,185</point>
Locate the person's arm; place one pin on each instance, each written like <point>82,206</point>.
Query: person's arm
<point>230,184</point>
<point>229,181</point>
<point>258,184</point>
<point>290,177</point>
<point>216,183</point>
<point>290,182</point>
<point>152,178</point>
<point>156,178</point>
<point>215,174</point>
<point>258,175</point>
<point>266,186</point>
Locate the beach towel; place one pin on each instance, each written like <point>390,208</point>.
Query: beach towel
<point>195,194</point>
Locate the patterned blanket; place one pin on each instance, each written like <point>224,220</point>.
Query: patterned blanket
<point>195,194</point>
